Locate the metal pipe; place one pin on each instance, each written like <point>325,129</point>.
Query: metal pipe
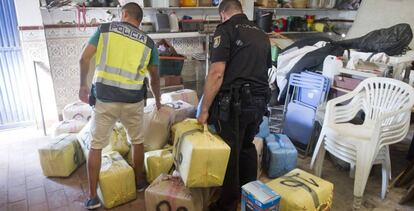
<point>40,99</point>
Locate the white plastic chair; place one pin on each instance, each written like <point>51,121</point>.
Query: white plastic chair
<point>387,105</point>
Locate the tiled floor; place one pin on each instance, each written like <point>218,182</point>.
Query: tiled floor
<point>23,187</point>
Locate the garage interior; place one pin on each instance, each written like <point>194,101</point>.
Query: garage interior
<point>42,41</point>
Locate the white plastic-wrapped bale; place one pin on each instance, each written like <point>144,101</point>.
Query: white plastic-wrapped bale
<point>186,95</point>
<point>77,110</point>
<point>157,124</point>
<point>182,110</point>
<point>68,126</point>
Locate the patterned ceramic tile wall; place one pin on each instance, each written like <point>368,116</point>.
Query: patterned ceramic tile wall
<point>65,46</point>
<point>34,48</point>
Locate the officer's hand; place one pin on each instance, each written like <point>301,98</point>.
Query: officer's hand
<point>158,104</point>
<point>202,119</point>
<point>84,94</point>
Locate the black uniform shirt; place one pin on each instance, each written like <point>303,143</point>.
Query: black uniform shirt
<point>246,50</point>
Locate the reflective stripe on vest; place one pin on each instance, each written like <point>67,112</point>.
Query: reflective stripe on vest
<point>123,54</point>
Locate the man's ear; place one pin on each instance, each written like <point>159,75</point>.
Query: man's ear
<point>124,15</point>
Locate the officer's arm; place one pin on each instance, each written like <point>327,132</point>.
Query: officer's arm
<point>213,84</point>
<point>154,82</point>
<point>84,62</point>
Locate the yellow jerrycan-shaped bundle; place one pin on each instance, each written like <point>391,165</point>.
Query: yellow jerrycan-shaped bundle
<point>61,157</point>
<point>158,162</point>
<point>116,181</point>
<point>303,191</point>
<point>199,156</point>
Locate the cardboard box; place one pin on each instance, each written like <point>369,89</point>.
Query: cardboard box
<point>170,80</point>
<point>346,82</point>
<point>256,196</point>
<point>267,3</point>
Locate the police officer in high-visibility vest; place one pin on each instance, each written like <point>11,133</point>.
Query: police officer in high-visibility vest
<point>236,94</point>
<point>124,55</point>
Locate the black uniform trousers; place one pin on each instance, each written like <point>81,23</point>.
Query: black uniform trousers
<point>242,165</point>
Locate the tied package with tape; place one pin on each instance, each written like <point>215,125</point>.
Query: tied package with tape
<point>179,128</point>
<point>169,193</point>
<point>77,110</point>
<point>157,124</point>
<point>257,196</point>
<point>182,110</point>
<point>68,126</point>
<point>280,155</point>
<point>186,95</point>
<point>118,141</point>
<point>303,191</point>
<point>61,157</point>
<point>116,181</point>
<point>157,162</point>
<point>200,157</point>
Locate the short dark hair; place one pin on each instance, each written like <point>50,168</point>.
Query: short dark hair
<point>133,10</point>
<point>230,5</point>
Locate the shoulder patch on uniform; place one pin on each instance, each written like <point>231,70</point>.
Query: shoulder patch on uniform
<point>217,41</point>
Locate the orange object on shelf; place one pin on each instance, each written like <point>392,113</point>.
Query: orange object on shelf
<point>188,3</point>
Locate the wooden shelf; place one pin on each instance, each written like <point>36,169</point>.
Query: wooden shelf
<point>156,36</point>
<point>68,8</point>
<point>330,13</point>
<point>180,8</point>
<point>304,9</point>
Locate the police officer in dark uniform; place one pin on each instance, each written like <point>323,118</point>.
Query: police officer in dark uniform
<point>236,94</point>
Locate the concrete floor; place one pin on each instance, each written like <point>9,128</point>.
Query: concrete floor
<point>23,187</point>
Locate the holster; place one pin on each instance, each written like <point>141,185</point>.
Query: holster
<point>92,98</point>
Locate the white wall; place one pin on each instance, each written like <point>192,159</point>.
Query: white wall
<point>376,14</point>
<point>28,12</point>
<point>34,48</point>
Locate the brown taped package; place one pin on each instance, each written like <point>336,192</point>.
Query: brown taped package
<point>169,192</point>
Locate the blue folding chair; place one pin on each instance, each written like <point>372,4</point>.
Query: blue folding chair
<point>306,92</point>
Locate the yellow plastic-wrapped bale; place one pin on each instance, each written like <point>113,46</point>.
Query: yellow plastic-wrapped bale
<point>116,181</point>
<point>201,158</point>
<point>169,193</point>
<point>157,162</point>
<point>303,191</point>
<point>61,157</point>
<point>179,128</point>
<point>118,141</point>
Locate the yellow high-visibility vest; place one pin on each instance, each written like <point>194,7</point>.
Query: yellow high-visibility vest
<point>122,56</point>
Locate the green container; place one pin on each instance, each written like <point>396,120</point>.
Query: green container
<point>170,65</point>
<point>275,53</point>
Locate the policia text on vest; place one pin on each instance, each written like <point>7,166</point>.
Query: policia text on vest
<point>120,73</point>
